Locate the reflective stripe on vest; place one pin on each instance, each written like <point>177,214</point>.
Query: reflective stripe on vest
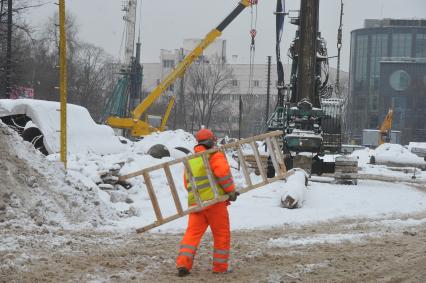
<point>201,182</point>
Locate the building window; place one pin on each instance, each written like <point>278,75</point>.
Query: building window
<point>379,49</point>
<point>401,44</point>
<point>361,60</point>
<point>235,83</point>
<point>168,63</point>
<point>421,46</point>
<point>400,80</point>
<point>256,83</point>
<point>373,103</point>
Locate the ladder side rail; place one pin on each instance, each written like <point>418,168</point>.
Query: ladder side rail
<point>244,166</point>
<point>258,160</point>
<point>272,152</point>
<point>210,176</point>
<point>221,148</point>
<point>214,201</point>
<point>153,197</point>
<point>280,154</point>
<point>173,189</point>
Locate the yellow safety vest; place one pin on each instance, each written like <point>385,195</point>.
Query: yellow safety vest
<point>201,182</point>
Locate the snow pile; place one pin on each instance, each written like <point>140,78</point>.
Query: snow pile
<point>397,155</point>
<point>418,148</point>
<point>84,135</point>
<point>170,139</point>
<point>363,155</point>
<point>34,191</point>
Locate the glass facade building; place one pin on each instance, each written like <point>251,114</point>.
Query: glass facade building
<point>379,41</point>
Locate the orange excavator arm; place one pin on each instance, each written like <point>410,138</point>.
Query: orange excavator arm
<point>386,127</point>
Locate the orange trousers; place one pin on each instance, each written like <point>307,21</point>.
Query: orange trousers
<point>218,218</point>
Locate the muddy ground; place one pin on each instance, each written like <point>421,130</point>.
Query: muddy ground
<point>384,253</point>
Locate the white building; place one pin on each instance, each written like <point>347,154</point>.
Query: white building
<point>253,93</point>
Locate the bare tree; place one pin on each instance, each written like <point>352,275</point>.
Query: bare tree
<point>207,84</point>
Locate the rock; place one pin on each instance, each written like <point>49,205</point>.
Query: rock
<point>94,223</point>
<point>31,181</point>
<point>39,221</point>
<point>129,200</point>
<point>133,211</point>
<point>96,202</point>
<point>118,197</point>
<point>410,233</point>
<point>2,205</point>
<point>106,186</point>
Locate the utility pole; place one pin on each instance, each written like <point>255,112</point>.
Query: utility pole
<point>240,116</point>
<point>182,107</point>
<point>8,84</point>
<point>268,91</point>
<point>63,80</point>
<point>339,48</point>
<point>307,84</point>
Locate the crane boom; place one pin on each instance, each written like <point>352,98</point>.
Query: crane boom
<point>139,127</point>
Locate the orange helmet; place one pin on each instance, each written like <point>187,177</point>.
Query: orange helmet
<point>204,134</point>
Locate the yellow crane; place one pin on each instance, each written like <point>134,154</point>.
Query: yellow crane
<point>139,127</point>
<point>385,128</point>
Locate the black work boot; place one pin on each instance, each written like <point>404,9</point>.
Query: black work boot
<point>182,272</point>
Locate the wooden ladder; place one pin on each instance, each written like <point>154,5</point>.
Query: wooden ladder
<point>274,152</point>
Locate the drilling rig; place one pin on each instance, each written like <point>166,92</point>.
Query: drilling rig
<point>309,130</point>
<point>128,90</point>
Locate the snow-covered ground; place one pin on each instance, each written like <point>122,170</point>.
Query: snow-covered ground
<point>403,170</point>
<point>260,208</point>
<point>131,208</point>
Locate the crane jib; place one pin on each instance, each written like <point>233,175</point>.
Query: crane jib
<point>222,26</point>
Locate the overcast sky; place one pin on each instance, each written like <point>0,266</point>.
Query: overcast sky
<point>166,23</point>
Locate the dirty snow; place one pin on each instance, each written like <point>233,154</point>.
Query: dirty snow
<point>320,239</point>
<point>36,192</point>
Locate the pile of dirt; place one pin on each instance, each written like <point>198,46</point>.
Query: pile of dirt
<point>35,191</point>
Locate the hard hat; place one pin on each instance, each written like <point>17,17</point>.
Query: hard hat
<point>204,134</point>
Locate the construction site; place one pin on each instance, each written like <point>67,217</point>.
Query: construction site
<point>197,168</point>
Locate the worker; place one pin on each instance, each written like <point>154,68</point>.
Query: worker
<point>216,216</point>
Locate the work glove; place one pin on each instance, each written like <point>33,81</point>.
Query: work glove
<point>233,195</point>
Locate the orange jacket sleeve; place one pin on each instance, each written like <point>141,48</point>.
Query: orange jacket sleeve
<point>222,171</point>
<point>184,180</point>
